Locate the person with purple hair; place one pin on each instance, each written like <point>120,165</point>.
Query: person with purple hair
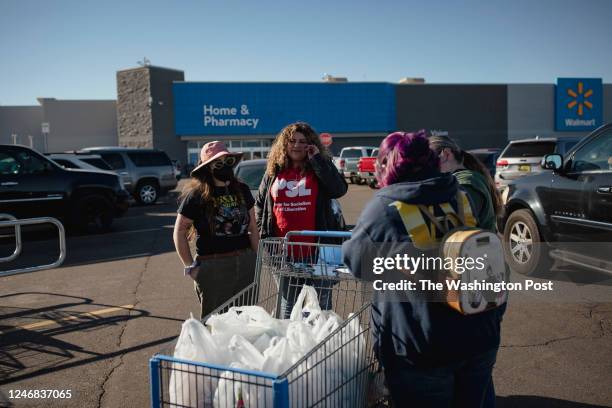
<point>432,355</point>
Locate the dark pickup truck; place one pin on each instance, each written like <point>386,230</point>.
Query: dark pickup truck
<point>33,186</point>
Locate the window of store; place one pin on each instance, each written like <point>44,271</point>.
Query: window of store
<point>252,149</point>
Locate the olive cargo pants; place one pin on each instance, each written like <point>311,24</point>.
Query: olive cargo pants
<point>221,277</point>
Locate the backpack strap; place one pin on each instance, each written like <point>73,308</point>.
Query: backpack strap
<point>465,210</point>
<point>433,219</point>
<point>463,215</point>
<point>451,214</point>
<point>414,221</point>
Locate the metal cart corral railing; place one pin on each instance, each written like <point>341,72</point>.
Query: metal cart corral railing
<point>16,223</point>
<point>339,371</point>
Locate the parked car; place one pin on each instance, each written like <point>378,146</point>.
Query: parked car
<point>488,157</point>
<point>251,172</point>
<point>35,186</point>
<point>522,157</point>
<point>80,161</point>
<point>570,203</point>
<point>147,173</point>
<point>348,159</point>
<point>366,170</point>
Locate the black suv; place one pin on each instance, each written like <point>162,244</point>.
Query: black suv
<point>564,214</point>
<point>33,186</point>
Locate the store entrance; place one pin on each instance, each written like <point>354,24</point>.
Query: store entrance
<point>252,149</point>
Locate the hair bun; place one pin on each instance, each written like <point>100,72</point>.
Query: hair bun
<point>418,147</point>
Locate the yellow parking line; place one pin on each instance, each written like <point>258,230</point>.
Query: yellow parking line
<point>44,323</point>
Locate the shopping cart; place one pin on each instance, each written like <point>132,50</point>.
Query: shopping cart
<point>340,371</point>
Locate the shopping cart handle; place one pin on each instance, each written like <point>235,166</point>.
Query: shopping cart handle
<point>321,234</point>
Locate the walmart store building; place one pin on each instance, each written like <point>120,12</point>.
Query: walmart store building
<point>249,115</point>
<point>156,107</point>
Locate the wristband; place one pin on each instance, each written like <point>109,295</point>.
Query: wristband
<point>187,270</point>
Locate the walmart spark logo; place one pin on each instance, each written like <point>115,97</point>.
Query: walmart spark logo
<point>580,98</point>
<point>578,104</point>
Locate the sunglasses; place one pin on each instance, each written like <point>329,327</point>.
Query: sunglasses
<point>224,161</point>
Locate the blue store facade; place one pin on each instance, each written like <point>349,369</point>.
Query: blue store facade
<point>247,116</point>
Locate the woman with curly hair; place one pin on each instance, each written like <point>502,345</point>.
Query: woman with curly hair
<point>296,193</point>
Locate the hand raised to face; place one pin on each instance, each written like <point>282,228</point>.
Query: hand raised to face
<point>312,151</point>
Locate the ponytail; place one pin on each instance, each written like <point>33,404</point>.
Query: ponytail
<point>470,162</point>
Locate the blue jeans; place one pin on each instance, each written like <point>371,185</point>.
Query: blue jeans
<point>464,384</point>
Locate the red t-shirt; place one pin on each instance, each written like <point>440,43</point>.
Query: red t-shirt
<point>294,197</point>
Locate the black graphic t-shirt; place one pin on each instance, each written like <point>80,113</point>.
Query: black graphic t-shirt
<point>230,220</point>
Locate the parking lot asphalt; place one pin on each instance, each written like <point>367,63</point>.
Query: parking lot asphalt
<point>91,325</point>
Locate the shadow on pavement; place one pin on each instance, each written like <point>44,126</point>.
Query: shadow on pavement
<point>4,401</point>
<point>93,359</point>
<point>27,351</point>
<point>532,401</point>
<point>15,312</point>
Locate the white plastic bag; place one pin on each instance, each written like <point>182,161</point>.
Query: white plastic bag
<point>353,358</point>
<point>279,356</point>
<point>355,346</point>
<point>188,385</point>
<point>315,376</point>
<point>325,325</point>
<point>306,305</point>
<point>241,390</point>
<point>311,373</point>
<point>301,338</point>
<point>341,359</point>
<point>263,342</point>
<point>245,354</point>
<point>249,322</point>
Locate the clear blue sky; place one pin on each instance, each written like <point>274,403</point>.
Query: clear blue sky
<point>72,49</point>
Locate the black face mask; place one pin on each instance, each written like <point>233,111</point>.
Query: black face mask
<point>225,173</point>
